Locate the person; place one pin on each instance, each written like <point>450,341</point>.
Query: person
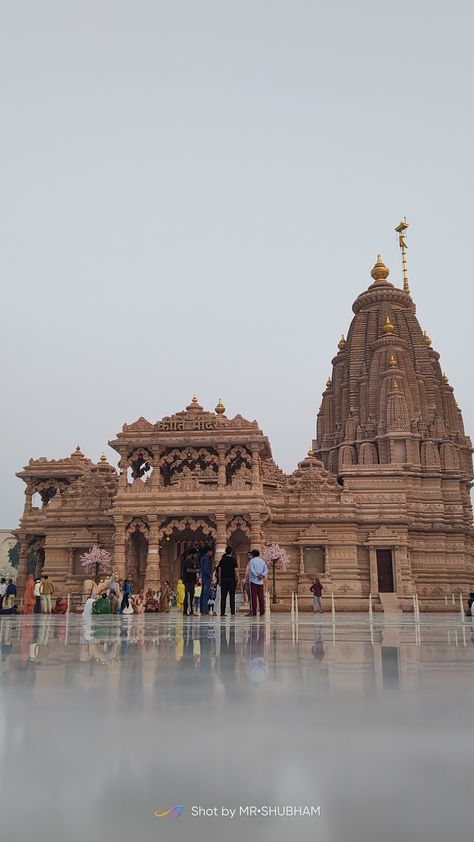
<point>29,595</point>
<point>317,591</point>
<point>37,593</point>
<point>88,607</point>
<point>197,596</point>
<point>61,605</point>
<point>102,605</point>
<point>189,578</point>
<point>47,590</point>
<point>246,582</point>
<point>258,571</point>
<point>10,594</point>
<point>152,603</point>
<point>114,602</point>
<point>211,602</point>
<point>180,594</point>
<point>205,569</point>
<point>113,586</point>
<point>127,592</point>
<point>165,596</point>
<point>3,589</point>
<point>470,601</point>
<point>228,579</point>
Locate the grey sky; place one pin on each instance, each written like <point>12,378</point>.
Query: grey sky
<point>193,194</point>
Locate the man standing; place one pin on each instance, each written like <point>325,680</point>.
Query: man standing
<point>10,594</point>
<point>317,590</point>
<point>205,570</point>
<point>258,571</point>
<point>228,577</point>
<point>3,590</point>
<point>37,593</point>
<point>190,572</point>
<point>47,590</point>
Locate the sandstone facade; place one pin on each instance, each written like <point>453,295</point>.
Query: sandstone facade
<point>381,503</point>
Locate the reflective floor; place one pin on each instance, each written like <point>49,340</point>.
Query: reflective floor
<point>102,724</point>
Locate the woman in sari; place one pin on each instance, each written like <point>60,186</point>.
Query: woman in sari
<point>29,595</point>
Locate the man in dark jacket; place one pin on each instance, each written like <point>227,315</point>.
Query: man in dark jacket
<point>228,577</point>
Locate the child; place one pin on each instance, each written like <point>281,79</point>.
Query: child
<point>212,597</point>
<point>180,594</point>
<point>197,595</point>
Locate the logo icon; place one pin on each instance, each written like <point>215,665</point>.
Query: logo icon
<point>173,813</point>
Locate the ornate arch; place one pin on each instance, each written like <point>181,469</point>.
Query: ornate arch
<point>181,525</point>
<point>238,524</point>
<point>137,524</point>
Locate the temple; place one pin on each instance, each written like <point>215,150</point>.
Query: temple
<point>380,504</point>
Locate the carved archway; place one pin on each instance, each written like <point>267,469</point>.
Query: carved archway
<point>185,524</point>
<point>238,524</point>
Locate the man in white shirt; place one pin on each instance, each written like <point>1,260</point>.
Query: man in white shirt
<point>3,590</point>
<point>258,571</point>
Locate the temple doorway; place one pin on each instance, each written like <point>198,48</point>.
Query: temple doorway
<point>173,546</point>
<point>137,560</point>
<point>385,571</point>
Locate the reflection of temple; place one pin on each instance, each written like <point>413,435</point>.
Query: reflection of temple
<point>380,504</point>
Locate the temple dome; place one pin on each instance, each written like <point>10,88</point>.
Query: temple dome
<point>386,344</point>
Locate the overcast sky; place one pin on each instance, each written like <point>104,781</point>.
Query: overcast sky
<point>193,194</point>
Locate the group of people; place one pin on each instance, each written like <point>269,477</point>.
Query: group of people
<point>37,597</point>
<point>117,598</point>
<point>204,590</point>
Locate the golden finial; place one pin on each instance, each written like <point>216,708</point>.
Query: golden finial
<point>103,458</point>
<point>78,449</point>
<point>220,408</point>
<point>393,363</point>
<point>342,343</point>
<point>400,229</point>
<point>388,326</point>
<point>395,386</point>
<point>426,339</point>
<point>194,399</point>
<point>310,453</point>
<point>380,272</point>
<point>445,378</point>
<point>328,383</point>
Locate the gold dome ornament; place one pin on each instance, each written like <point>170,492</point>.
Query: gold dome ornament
<point>380,272</point>
<point>393,362</point>
<point>445,378</point>
<point>342,343</point>
<point>395,386</point>
<point>328,383</point>
<point>426,339</point>
<point>388,327</point>
<point>220,408</point>
<point>310,453</point>
<point>103,458</point>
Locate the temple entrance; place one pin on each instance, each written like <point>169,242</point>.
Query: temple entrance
<point>385,571</point>
<point>138,555</point>
<point>173,545</point>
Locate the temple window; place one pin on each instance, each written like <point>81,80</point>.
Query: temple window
<point>314,560</point>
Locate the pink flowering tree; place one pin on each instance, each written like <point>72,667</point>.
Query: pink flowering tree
<point>97,561</point>
<point>274,555</point>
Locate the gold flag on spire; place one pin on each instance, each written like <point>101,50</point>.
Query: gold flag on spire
<point>400,229</point>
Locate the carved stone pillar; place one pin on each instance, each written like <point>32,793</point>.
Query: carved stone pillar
<point>123,480</point>
<point>255,531</point>
<point>153,573</point>
<point>301,561</point>
<point>255,467</point>
<point>29,497</point>
<point>374,579</point>
<point>221,536</point>
<point>221,468</point>
<point>119,550</point>
<point>23,565</point>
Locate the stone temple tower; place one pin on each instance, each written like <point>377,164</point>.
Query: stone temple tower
<point>390,429</point>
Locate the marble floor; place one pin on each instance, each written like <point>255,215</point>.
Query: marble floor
<point>103,724</point>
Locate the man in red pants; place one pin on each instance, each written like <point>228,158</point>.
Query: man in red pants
<point>258,571</point>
